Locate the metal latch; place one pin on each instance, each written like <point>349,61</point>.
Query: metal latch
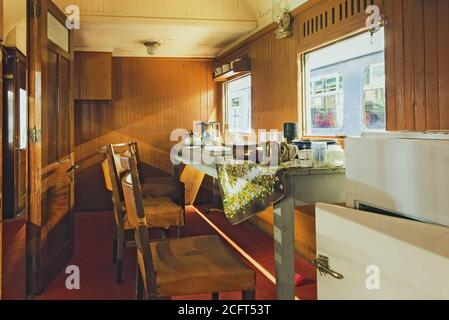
<point>34,135</point>
<point>323,266</point>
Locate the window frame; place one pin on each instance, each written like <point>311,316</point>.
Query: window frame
<point>302,97</point>
<point>225,103</point>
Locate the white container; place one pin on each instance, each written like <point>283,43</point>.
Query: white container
<point>335,156</point>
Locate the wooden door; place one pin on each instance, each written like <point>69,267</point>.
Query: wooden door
<point>51,208</point>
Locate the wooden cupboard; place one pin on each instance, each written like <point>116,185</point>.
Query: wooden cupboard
<point>15,134</point>
<point>93,74</point>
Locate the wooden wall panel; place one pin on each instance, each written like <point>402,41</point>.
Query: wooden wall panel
<point>405,63</point>
<point>417,73</point>
<point>274,70</point>
<point>443,63</point>
<point>431,64</point>
<point>152,97</point>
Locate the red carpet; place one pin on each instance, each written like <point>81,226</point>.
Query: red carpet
<point>93,256</point>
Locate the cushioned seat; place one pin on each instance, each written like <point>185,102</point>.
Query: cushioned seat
<point>198,265</point>
<point>160,213</point>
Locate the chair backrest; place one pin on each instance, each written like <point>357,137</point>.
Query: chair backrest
<point>136,217</point>
<point>117,150</point>
<point>112,180</point>
<point>134,148</point>
<point>107,175</point>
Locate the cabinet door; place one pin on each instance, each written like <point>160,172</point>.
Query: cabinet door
<point>381,257</point>
<point>93,76</point>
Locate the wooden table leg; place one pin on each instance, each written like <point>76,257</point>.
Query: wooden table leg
<point>284,243</point>
<point>216,198</point>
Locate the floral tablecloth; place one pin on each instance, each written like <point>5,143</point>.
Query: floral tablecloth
<point>247,188</point>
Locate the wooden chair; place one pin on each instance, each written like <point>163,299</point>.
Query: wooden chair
<point>156,187</point>
<point>185,266</point>
<point>163,211</point>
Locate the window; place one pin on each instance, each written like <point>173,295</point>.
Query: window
<point>238,105</point>
<point>344,86</point>
<point>327,102</point>
<point>374,97</point>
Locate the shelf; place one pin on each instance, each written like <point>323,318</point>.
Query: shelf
<point>241,67</point>
<point>228,75</point>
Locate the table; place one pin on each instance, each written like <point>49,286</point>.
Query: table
<point>303,187</point>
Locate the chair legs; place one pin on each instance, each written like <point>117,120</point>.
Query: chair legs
<point>249,295</point>
<point>180,232</point>
<point>139,285</point>
<point>215,296</point>
<point>120,249</point>
<point>114,248</point>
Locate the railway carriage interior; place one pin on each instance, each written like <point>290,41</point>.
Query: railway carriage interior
<point>292,150</point>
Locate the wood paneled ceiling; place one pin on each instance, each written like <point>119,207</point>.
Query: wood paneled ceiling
<point>186,28</point>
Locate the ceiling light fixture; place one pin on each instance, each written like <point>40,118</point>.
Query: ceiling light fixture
<point>152,46</point>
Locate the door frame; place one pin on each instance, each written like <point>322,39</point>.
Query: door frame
<point>38,44</point>
<point>37,95</point>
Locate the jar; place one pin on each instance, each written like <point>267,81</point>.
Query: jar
<point>335,156</point>
<point>319,154</point>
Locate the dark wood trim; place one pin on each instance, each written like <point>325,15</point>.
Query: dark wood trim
<point>58,50</point>
<point>56,12</point>
<point>37,70</point>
